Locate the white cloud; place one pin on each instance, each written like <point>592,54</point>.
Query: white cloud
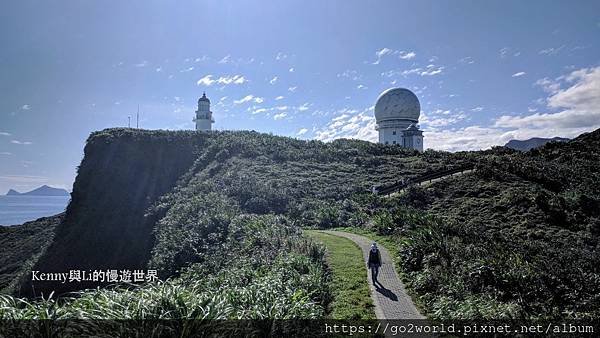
<point>349,123</point>
<point>386,51</point>
<point>519,74</point>
<point>301,132</point>
<point>3,133</point>
<point>158,69</point>
<point>360,86</point>
<point>25,107</point>
<point>258,111</point>
<point>208,80</point>
<point>273,80</point>
<point>280,56</point>
<point>225,59</point>
<point>578,105</point>
<point>279,98</point>
<point>292,89</point>
<point>6,153</point>
<point>249,98</point>
<point>380,53</point>
<point>548,85</point>
<point>551,50</point>
<point>144,63</point>
<point>350,74</point>
<point>432,70</point>
<point>291,70</point>
<point>279,116</point>
<point>21,142</point>
<point>406,55</point>
<point>467,59</point>
<point>504,52</point>
<point>189,69</point>
<point>303,107</point>
<point>477,109</point>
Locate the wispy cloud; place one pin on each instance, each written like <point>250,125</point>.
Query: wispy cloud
<point>404,55</point>
<point>431,70</point>
<point>292,89</point>
<point>249,98</point>
<point>21,142</point>
<point>208,80</point>
<point>303,107</point>
<point>225,59</point>
<point>3,133</point>
<point>141,64</point>
<point>350,74</point>
<point>291,70</point>
<point>279,116</point>
<point>6,153</point>
<point>279,98</point>
<point>280,56</point>
<point>551,50</point>
<point>301,132</point>
<point>189,69</point>
<point>380,53</point>
<point>273,80</point>
<point>25,107</point>
<point>519,74</point>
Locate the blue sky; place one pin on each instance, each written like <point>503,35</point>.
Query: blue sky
<point>484,71</point>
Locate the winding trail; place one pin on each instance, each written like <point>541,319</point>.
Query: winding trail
<point>390,297</point>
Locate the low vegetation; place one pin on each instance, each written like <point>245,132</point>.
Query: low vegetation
<point>350,291</point>
<point>517,238</point>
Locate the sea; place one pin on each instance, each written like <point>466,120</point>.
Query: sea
<point>19,209</point>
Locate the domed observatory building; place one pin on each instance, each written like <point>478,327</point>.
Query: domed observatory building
<point>397,114</point>
<point>203,119</point>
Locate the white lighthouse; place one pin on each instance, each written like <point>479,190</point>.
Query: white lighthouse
<point>397,112</point>
<point>203,119</point>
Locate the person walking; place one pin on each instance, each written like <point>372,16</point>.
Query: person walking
<point>374,261</point>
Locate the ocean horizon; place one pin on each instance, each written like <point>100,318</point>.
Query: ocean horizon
<point>15,210</point>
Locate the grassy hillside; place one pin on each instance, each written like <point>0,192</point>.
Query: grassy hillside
<point>21,246</point>
<point>518,238</point>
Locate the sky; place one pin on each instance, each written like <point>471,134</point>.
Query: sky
<point>485,72</point>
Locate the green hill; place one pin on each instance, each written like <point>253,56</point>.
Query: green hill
<point>516,238</point>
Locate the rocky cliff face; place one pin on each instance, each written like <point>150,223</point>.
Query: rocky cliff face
<point>122,174</point>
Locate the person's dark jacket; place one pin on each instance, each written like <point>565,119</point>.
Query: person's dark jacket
<point>374,258</point>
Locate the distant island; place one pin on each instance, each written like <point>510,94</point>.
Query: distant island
<point>41,191</point>
<point>536,142</point>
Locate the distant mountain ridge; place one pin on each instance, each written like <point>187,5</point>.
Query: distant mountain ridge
<point>41,191</point>
<point>535,142</point>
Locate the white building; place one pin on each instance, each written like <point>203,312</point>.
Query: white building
<point>203,119</point>
<point>397,114</point>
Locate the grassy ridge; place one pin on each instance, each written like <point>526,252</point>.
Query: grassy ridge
<point>350,291</point>
<point>516,239</point>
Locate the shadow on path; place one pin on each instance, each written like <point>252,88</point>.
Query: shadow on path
<point>386,292</point>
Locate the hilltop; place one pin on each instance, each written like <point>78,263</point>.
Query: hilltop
<point>535,142</point>
<point>493,243</point>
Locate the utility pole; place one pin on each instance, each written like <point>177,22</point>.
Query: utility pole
<point>128,121</point>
